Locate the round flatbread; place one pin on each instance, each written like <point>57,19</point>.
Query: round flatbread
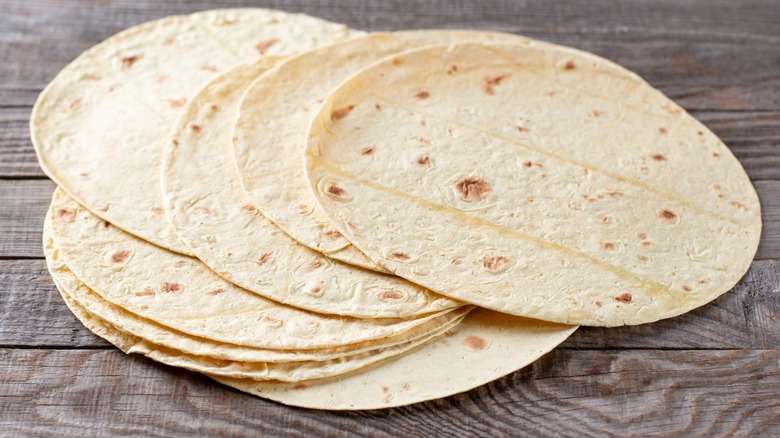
<point>276,112</point>
<point>100,126</point>
<point>179,292</point>
<point>217,221</point>
<point>544,182</point>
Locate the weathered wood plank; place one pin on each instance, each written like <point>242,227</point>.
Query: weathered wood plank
<point>566,393</point>
<point>694,51</point>
<point>25,203</point>
<point>33,315</point>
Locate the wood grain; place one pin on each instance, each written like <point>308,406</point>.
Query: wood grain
<point>711,372</point>
<point>566,393</point>
<point>32,314</point>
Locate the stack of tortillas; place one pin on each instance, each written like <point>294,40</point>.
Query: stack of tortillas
<point>339,220</point>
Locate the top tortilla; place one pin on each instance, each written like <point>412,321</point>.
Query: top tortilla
<point>535,180</point>
<point>99,127</point>
<point>276,112</point>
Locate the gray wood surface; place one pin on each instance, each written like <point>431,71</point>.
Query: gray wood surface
<point>712,372</point>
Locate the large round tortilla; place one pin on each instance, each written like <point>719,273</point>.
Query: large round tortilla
<point>485,346</point>
<point>91,302</point>
<point>216,220</point>
<point>180,292</point>
<point>545,182</point>
<point>276,113</point>
<point>99,127</point>
<point>281,372</point>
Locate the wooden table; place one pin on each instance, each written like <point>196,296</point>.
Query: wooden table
<point>714,371</point>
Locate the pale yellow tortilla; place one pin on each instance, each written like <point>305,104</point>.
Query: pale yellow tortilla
<point>280,372</point>
<point>100,126</point>
<point>217,221</point>
<point>276,112</point>
<point>134,325</point>
<point>545,182</point>
<point>180,292</point>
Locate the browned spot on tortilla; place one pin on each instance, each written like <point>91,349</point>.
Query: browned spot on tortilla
<point>641,258</point>
<point>472,188</point>
<point>216,291</point>
<point>606,220</point>
<point>264,258</point>
<point>66,214</point>
<point>300,386</point>
<point>700,132</point>
<point>453,68</point>
<point>642,236</point>
<point>249,208</point>
<point>423,121</point>
<point>702,281</point>
<point>494,263</point>
<point>647,243</point>
<point>120,256</point>
<point>614,193</point>
<point>389,398</point>
<point>378,107</point>
<point>163,79</point>
<point>532,164</point>
<point>105,224</point>
<point>314,265</point>
<point>332,234</point>
<point>158,210</point>
<point>172,287</point>
<point>739,205</point>
<point>145,293</point>
<point>210,68</point>
<point>424,161</point>
<point>456,261</point>
<point>195,128</point>
<point>521,128</point>
<point>667,215</point>
<point>422,140</point>
<point>596,113</point>
<point>74,104</point>
<point>644,169</point>
<point>175,142</point>
<point>334,190</point>
<point>597,303</point>
<point>490,82</point>
<point>658,157</point>
<point>625,297</point>
<point>128,61</point>
<point>391,295</point>
<point>397,61</point>
<point>406,386</point>
<point>398,255</point>
<point>205,210</point>
<point>270,319</point>
<point>663,130</point>
<point>318,288</point>
<point>475,343</point>
<point>385,389</point>
<point>422,94</point>
<point>91,77</point>
<point>368,151</point>
<point>177,103</point>
<point>169,41</point>
<point>715,154</point>
<point>608,245</point>
<point>671,109</point>
<point>529,200</point>
<point>342,112</point>
<point>263,46</point>
<point>569,65</point>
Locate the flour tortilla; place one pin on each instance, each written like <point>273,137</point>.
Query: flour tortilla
<point>282,372</point>
<point>485,346</point>
<point>276,112</point>
<point>216,220</point>
<point>99,127</point>
<point>546,182</point>
<point>122,320</point>
<point>181,293</point>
